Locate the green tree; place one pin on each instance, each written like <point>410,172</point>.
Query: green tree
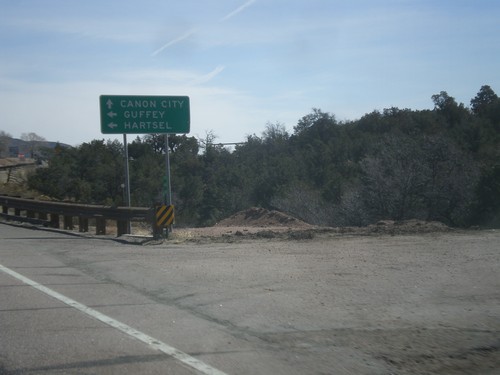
<point>446,106</point>
<point>429,178</point>
<point>451,181</point>
<point>484,102</point>
<point>148,170</point>
<point>313,119</point>
<point>91,173</point>
<point>393,179</point>
<point>56,180</point>
<point>187,185</point>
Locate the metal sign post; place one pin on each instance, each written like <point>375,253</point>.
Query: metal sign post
<point>127,179</point>
<point>168,188</point>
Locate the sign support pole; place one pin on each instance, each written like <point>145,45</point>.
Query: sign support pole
<point>168,189</point>
<point>168,192</point>
<point>127,178</point>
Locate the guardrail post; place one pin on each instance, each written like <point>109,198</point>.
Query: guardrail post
<point>54,221</point>
<point>83,224</point>
<point>68,222</point>
<point>100,225</point>
<point>17,211</point>
<point>122,227</point>
<point>5,209</point>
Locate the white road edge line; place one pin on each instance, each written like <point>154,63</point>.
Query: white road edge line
<point>151,341</point>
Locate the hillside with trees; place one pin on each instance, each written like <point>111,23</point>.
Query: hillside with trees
<point>441,164</point>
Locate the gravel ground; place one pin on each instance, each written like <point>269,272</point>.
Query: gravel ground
<point>395,298</point>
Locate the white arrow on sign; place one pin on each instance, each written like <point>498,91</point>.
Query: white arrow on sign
<point>112,125</point>
<point>109,103</point>
<point>112,114</point>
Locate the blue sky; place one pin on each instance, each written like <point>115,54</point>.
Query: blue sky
<point>243,63</point>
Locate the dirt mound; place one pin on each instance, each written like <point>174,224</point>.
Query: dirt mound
<point>260,217</point>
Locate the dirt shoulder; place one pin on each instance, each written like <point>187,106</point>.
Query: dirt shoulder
<point>262,223</point>
<point>394,298</point>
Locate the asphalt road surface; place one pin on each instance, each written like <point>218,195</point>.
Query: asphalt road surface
<point>412,304</point>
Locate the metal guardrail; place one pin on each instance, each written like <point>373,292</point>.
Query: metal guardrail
<point>49,213</point>
<point>18,165</point>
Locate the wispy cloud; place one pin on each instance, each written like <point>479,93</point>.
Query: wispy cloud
<point>192,31</point>
<point>176,78</point>
<point>207,77</point>
<point>175,41</point>
<point>237,10</point>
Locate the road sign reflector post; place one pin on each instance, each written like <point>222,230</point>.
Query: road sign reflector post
<point>164,216</point>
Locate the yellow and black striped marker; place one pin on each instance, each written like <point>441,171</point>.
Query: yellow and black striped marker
<point>164,215</point>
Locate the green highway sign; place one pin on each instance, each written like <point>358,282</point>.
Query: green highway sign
<point>131,114</point>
